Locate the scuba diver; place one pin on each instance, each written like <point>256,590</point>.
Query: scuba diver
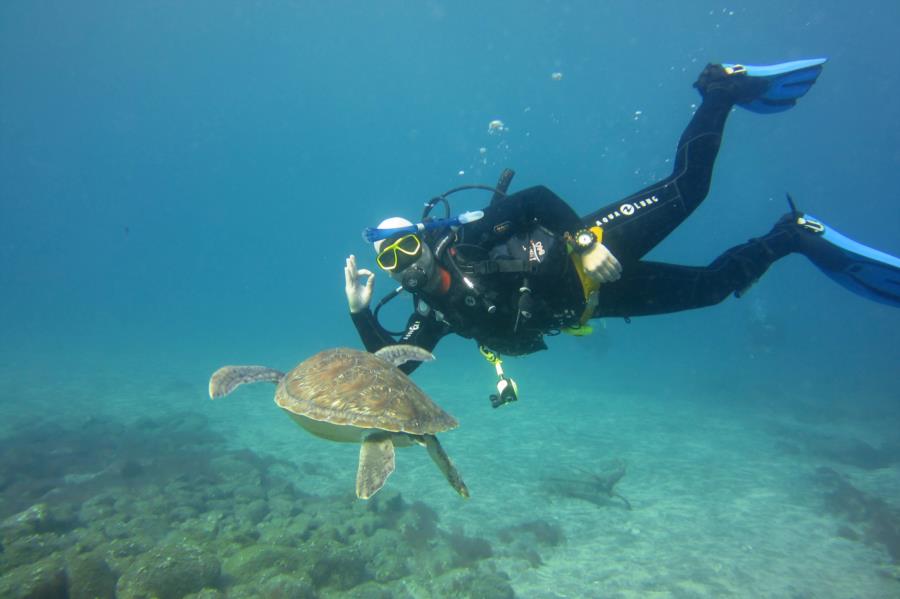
<point>528,266</point>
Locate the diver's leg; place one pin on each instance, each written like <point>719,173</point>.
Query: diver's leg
<point>863,270</point>
<point>636,224</point>
<point>657,288</point>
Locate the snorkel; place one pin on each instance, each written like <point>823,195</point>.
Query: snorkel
<point>372,234</point>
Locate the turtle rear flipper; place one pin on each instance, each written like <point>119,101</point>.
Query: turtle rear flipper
<point>442,460</point>
<point>376,463</point>
<point>226,379</point>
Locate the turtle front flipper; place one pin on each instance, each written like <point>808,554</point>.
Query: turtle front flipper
<point>376,462</point>
<point>402,353</point>
<point>226,379</point>
<point>442,460</point>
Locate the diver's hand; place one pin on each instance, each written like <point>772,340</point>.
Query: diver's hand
<point>600,265</point>
<point>358,295</point>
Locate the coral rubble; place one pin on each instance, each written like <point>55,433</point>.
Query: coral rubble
<point>161,508</point>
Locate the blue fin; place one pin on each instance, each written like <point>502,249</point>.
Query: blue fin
<point>788,81</point>
<point>861,269</point>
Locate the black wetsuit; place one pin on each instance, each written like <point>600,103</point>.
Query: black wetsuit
<point>631,228</point>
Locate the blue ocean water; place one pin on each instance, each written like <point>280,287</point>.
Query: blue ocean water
<point>180,184</point>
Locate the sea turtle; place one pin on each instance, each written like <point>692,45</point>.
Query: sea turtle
<point>352,396</point>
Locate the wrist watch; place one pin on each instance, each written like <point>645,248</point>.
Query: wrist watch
<point>583,240</point>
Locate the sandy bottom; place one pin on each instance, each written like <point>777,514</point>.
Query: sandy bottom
<point>725,502</point>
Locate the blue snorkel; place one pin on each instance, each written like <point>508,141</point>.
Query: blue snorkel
<point>372,234</point>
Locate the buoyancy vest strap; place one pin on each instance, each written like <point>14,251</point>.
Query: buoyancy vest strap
<point>489,267</point>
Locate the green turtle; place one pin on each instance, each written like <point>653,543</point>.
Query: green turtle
<point>352,396</point>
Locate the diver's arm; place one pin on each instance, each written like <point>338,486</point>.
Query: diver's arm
<point>359,296</point>
<point>372,334</point>
<point>421,331</point>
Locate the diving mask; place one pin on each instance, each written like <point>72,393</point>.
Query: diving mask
<point>400,254</point>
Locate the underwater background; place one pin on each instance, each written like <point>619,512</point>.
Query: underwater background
<point>180,183</point>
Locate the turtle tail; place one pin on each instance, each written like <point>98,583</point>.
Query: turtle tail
<point>226,379</point>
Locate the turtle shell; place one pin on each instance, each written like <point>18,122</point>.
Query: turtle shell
<point>349,387</point>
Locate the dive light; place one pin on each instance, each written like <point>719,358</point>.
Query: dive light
<point>507,391</point>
